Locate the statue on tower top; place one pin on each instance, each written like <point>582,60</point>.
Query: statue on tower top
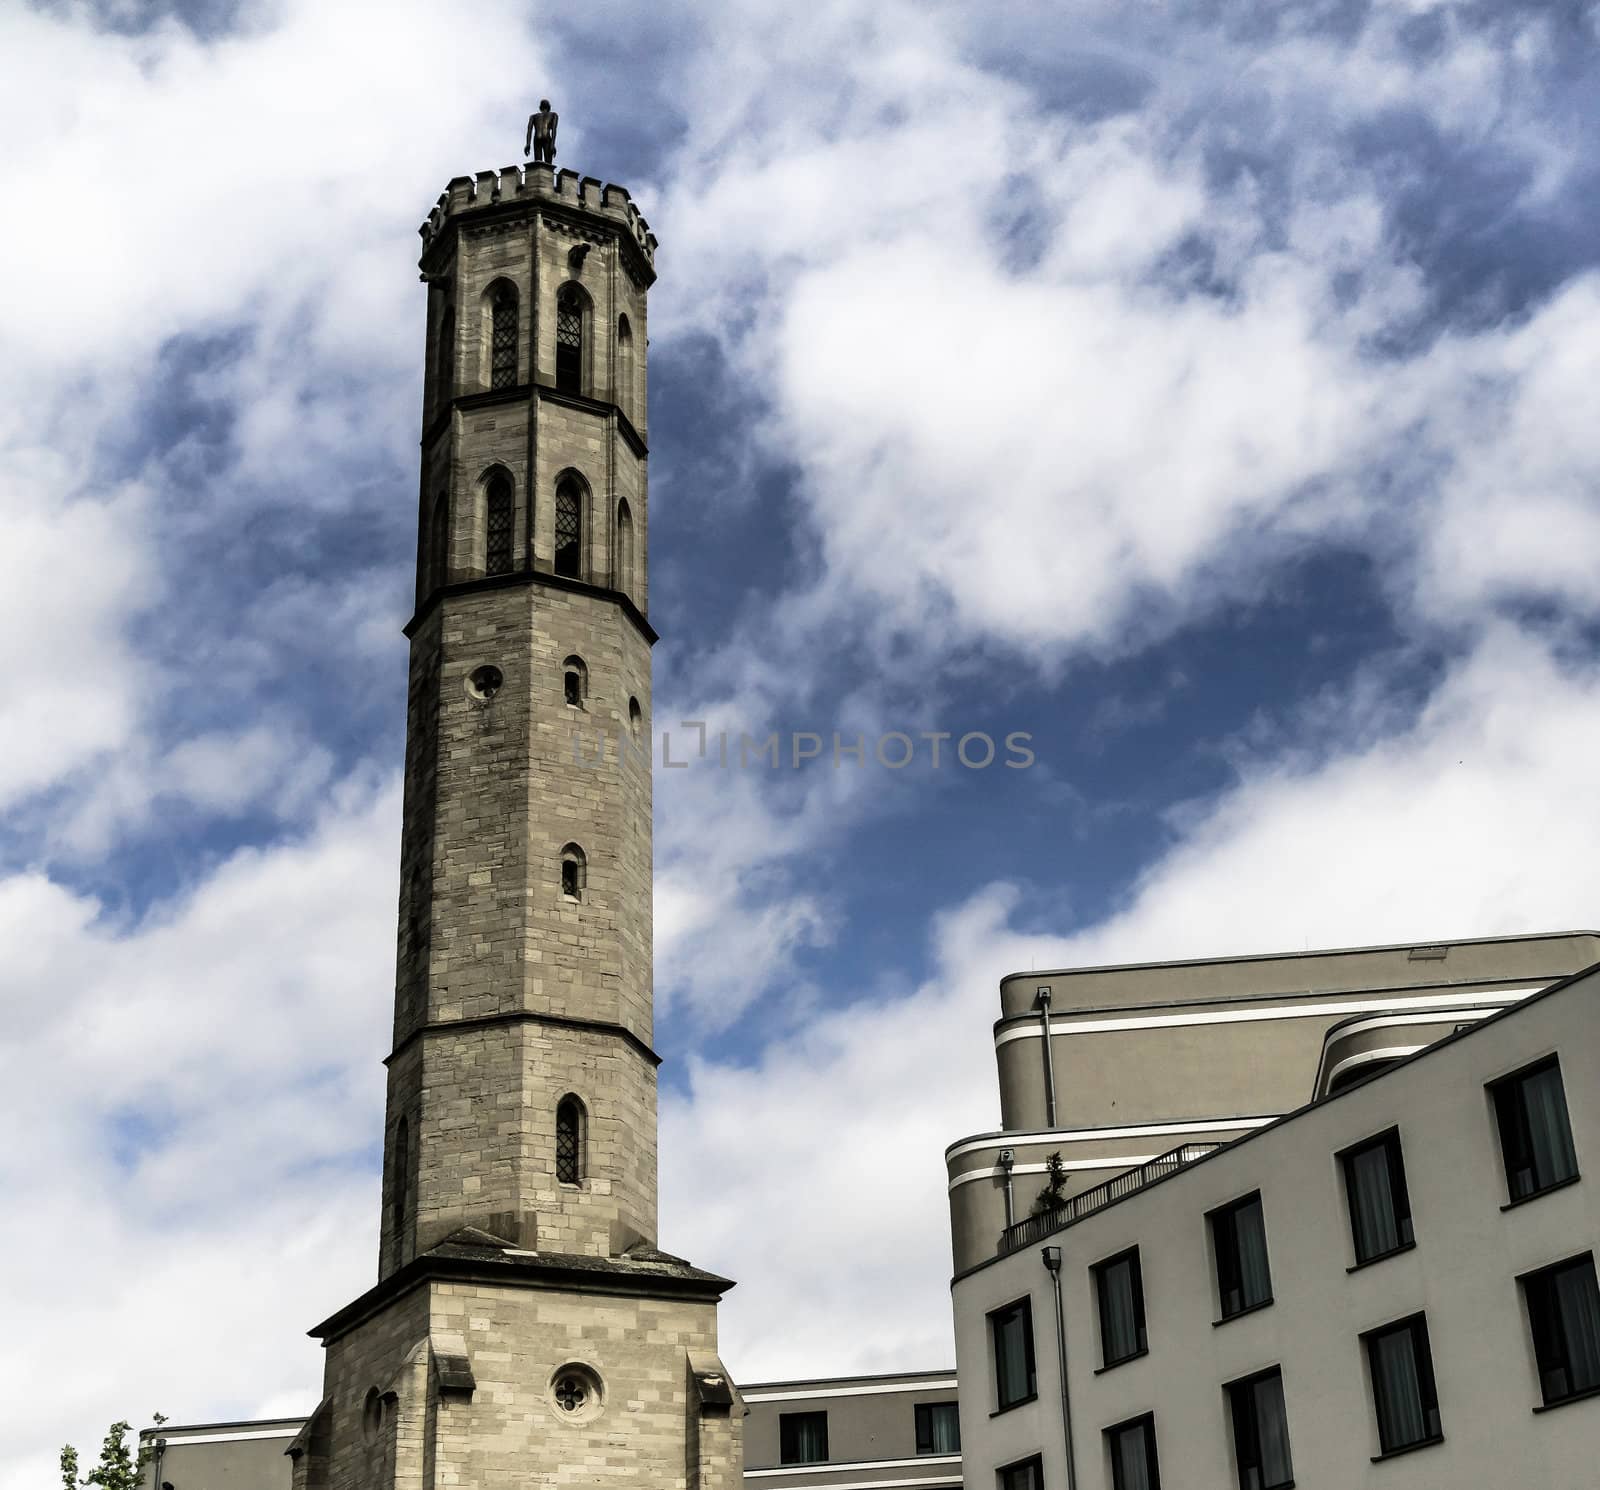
<point>541,140</point>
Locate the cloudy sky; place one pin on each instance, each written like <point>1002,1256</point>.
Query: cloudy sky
<point>1213,399</point>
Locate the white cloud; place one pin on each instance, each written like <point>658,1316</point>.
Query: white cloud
<point>202,1091</point>
<point>1477,819</point>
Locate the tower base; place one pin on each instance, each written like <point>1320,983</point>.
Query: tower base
<point>482,1365</point>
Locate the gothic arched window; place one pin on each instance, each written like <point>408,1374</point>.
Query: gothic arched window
<point>623,578</point>
<point>624,393</point>
<point>569,529</point>
<point>438,558</point>
<point>574,872</point>
<point>575,681</point>
<point>500,525</point>
<point>569,339</point>
<point>503,336</point>
<point>569,1141</point>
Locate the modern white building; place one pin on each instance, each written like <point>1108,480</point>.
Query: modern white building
<point>1392,1285</point>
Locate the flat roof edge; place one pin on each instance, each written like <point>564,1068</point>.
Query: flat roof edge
<point>1457,941</point>
<point>819,1381</point>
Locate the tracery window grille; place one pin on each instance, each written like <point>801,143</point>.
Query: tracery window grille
<point>571,1393</point>
<point>501,526</point>
<point>503,339</point>
<point>569,341</point>
<point>569,530</point>
<point>569,1127</point>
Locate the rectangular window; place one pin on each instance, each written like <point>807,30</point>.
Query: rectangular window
<point>802,1437</point>
<point>1535,1137</point>
<point>1564,1312</point>
<point>938,1428</point>
<point>1011,1329</point>
<point>1133,1455</point>
<point>1261,1431</point>
<point>1403,1392</point>
<point>1375,1186</point>
<point>1028,1475</point>
<point>1239,1238</point>
<point>1119,1287</point>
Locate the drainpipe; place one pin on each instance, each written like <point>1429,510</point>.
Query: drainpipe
<point>160,1454</point>
<point>1052,1263</point>
<point>1007,1159</point>
<point>1042,1002</point>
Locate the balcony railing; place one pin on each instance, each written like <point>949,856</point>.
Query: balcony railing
<point>1086,1202</point>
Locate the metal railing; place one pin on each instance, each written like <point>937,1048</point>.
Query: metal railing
<point>1086,1202</point>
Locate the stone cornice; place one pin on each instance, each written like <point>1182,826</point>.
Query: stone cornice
<point>527,1016</point>
<point>535,577</point>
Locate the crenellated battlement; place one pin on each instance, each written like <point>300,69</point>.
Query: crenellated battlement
<point>534,182</point>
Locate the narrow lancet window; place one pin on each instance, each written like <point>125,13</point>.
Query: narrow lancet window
<point>503,338</point>
<point>501,526</point>
<point>574,872</point>
<point>569,340</point>
<point>569,530</point>
<point>623,579</point>
<point>569,1141</point>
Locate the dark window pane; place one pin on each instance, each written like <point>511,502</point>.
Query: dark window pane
<point>1133,1456</point>
<point>1564,1312</point>
<point>573,689</point>
<point>1535,1136</point>
<point>938,1428</point>
<point>1121,1293</point>
<point>1261,1432</point>
<point>1028,1475</point>
<point>570,882</point>
<point>569,1169</point>
<point>802,1437</point>
<point>503,339</point>
<point>1402,1385</point>
<point>1012,1330</point>
<point>569,531</point>
<point>501,518</point>
<point>1239,1237</point>
<point>569,342</point>
<point>1375,1185</point>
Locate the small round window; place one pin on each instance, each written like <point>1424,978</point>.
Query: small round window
<point>576,1392</point>
<point>484,682</point>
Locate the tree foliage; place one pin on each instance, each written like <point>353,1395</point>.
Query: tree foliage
<point>119,1468</point>
<point>1053,1196</point>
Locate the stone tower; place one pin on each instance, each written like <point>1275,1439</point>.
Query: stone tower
<point>524,1328</point>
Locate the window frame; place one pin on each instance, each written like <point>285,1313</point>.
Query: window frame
<point>570,490</point>
<point>790,1422</point>
<point>499,492</point>
<point>1242,1389</point>
<point>996,1318</point>
<point>572,1103</point>
<point>1098,1272</point>
<point>1399,1194</point>
<point>1147,1423</point>
<point>922,1412</point>
<point>1427,1386</point>
<point>1502,1090</point>
<point>1033,1466</point>
<point>1227,1215</point>
<point>1539,1330</point>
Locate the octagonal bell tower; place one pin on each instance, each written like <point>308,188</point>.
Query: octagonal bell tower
<point>525,1326</point>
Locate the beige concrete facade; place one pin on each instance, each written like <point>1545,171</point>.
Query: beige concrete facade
<point>871,1424</point>
<point>1471,1247</point>
<point>1147,1057</point>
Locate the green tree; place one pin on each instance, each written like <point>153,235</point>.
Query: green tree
<point>118,1469</point>
<point>1053,1196</point>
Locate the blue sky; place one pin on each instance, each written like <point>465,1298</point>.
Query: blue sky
<point>1210,397</point>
